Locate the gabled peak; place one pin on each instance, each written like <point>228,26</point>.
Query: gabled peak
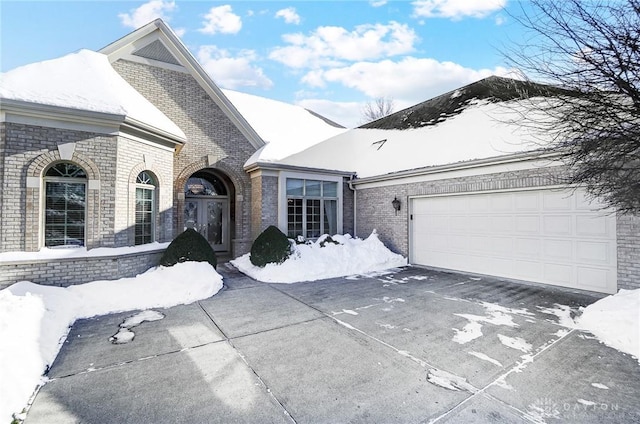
<point>156,51</point>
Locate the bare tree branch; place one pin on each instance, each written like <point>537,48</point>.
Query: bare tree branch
<point>590,53</point>
<point>376,109</point>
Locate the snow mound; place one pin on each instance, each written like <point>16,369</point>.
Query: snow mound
<point>35,319</point>
<point>311,262</point>
<point>615,321</point>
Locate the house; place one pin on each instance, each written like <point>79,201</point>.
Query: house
<point>130,145</point>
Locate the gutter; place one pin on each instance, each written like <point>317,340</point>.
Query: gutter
<point>471,164</point>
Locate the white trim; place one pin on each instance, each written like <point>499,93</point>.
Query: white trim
<point>61,118</point>
<point>282,195</point>
<point>559,187</point>
<point>470,169</point>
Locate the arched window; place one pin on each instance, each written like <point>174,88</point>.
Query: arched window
<point>65,205</point>
<point>145,208</point>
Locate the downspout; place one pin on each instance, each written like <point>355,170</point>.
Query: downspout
<point>355,198</point>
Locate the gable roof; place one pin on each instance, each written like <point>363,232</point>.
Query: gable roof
<point>286,128</point>
<point>84,81</point>
<point>157,44</point>
<point>478,121</point>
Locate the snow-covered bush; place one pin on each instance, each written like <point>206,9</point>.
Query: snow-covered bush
<point>271,247</point>
<point>190,246</point>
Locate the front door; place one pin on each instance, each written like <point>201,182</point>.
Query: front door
<point>209,217</point>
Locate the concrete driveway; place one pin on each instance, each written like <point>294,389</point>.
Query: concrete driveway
<point>410,346</point>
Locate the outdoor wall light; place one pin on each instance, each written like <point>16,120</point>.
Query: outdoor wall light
<point>396,204</point>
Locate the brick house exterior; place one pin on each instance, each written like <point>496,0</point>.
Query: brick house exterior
<point>190,139</point>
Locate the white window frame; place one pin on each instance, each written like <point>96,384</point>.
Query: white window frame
<point>282,196</point>
<point>43,204</point>
<point>154,214</point>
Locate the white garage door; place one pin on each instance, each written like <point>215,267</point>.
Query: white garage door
<point>548,236</point>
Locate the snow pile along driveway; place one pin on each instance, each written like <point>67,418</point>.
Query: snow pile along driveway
<point>615,321</point>
<point>310,262</point>
<point>35,319</point>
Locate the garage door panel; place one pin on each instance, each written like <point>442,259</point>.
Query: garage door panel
<point>555,250</point>
<point>594,278</point>
<point>557,201</point>
<point>527,247</point>
<point>459,224</point>
<point>502,203</point>
<point>593,252</point>
<point>527,202</point>
<point>527,224</point>
<point>558,225</point>
<point>547,236</point>
<point>595,226</point>
<point>478,204</point>
<point>501,224</point>
<point>499,245</point>
<point>560,274</point>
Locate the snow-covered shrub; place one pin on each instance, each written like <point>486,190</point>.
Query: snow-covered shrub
<point>271,246</point>
<point>190,246</point>
<point>326,239</point>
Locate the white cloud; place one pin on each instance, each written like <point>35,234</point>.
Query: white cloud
<point>180,32</point>
<point>232,72</point>
<point>409,81</point>
<point>456,9</point>
<point>289,15</point>
<point>222,20</point>
<point>330,45</point>
<point>377,3</point>
<point>147,12</point>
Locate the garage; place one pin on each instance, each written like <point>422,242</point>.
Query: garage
<point>551,236</point>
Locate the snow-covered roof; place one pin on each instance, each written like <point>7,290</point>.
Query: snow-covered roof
<point>286,128</point>
<point>85,81</point>
<point>459,126</point>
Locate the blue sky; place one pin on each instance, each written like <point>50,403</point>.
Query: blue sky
<point>329,56</point>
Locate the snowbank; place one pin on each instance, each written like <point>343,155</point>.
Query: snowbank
<point>35,319</point>
<point>313,262</point>
<point>615,321</point>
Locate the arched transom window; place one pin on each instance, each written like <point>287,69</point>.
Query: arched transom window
<point>145,208</point>
<point>65,205</point>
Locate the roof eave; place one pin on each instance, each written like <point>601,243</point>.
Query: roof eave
<point>275,166</point>
<point>469,164</point>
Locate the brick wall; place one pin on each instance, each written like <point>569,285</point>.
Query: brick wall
<point>628,232</point>
<point>66,272</point>
<point>347,208</point>
<point>134,157</point>
<point>264,203</point>
<point>212,139</point>
<point>28,150</point>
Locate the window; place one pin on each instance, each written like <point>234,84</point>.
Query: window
<point>65,205</point>
<point>145,208</point>
<point>312,207</point>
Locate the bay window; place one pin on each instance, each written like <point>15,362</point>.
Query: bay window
<point>312,207</point>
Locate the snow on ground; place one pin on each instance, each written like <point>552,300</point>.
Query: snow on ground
<point>615,321</point>
<point>312,262</point>
<point>78,252</point>
<point>35,319</point>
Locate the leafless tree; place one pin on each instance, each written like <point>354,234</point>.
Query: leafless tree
<point>589,51</point>
<point>376,109</point>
